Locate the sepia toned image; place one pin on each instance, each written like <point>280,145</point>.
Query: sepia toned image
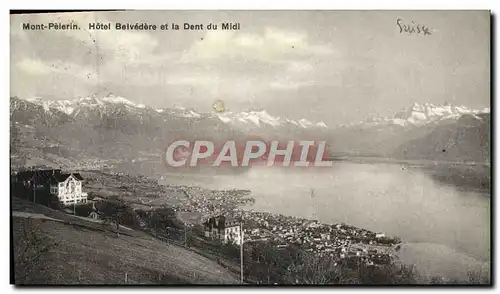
<point>214,147</point>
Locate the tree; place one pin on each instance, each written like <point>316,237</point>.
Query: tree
<point>293,265</point>
<point>164,217</point>
<point>388,274</point>
<point>113,213</point>
<point>265,263</point>
<point>309,268</point>
<point>15,142</point>
<point>31,246</point>
<point>477,277</point>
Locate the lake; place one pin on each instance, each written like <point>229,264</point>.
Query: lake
<point>446,228</point>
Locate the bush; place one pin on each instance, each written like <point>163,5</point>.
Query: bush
<point>83,209</point>
<point>264,263</point>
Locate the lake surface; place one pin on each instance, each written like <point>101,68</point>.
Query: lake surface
<point>446,229</point>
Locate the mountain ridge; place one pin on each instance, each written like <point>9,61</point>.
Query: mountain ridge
<point>114,128</point>
<point>418,114</point>
<point>421,114</point>
<point>256,118</point>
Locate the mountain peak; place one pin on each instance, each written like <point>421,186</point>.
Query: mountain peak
<point>423,113</point>
<point>112,98</point>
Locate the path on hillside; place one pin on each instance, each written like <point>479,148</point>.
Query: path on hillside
<point>91,253</point>
<point>33,215</point>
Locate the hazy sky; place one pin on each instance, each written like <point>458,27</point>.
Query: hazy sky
<point>333,66</point>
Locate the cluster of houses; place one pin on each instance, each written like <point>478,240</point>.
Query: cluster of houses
<point>66,187</point>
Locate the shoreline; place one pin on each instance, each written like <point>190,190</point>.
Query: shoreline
<point>195,204</point>
<point>339,240</point>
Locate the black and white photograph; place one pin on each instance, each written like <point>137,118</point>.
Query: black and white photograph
<point>251,147</point>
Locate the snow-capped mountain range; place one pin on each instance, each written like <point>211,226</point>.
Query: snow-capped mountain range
<point>246,118</point>
<point>102,121</point>
<point>414,116</point>
<point>422,114</point>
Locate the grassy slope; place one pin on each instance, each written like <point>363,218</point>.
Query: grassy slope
<point>87,252</point>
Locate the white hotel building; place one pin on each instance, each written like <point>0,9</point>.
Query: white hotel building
<point>68,188</point>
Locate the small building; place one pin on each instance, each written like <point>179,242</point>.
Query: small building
<point>227,230</point>
<point>95,215</point>
<point>379,235</point>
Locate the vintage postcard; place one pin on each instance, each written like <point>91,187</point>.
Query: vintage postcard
<point>250,147</point>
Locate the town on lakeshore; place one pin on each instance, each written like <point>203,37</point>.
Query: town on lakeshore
<point>198,207</point>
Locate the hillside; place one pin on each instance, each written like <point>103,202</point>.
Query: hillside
<point>85,252</point>
<point>468,139</point>
<point>382,136</point>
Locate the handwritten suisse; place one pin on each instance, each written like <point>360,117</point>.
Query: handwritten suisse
<point>412,28</point>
